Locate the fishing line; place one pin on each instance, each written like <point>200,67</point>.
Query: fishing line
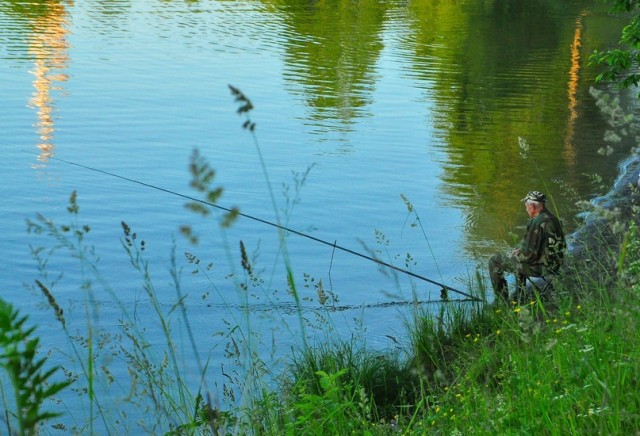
<point>292,308</point>
<point>444,288</point>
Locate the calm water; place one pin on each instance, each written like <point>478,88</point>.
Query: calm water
<point>425,100</point>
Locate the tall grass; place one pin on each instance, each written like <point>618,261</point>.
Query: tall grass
<point>157,394</point>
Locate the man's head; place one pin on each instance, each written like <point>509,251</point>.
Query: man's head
<point>534,202</point>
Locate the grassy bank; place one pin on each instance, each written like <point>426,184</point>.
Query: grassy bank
<point>565,365</point>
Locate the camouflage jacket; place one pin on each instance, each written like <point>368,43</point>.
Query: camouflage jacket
<point>542,248</point>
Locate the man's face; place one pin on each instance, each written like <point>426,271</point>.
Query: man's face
<point>530,208</point>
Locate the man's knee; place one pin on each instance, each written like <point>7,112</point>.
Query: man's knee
<point>494,260</point>
<point>496,263</point>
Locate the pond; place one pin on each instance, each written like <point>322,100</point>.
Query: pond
<point>403,131</point>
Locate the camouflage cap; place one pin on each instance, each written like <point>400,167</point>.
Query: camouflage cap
<point>535,196</point>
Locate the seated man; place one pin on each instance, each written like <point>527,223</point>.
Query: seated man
<point>540,253</point>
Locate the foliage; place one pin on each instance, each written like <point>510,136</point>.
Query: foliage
<point>385,380</point>
<point>336,409</point>
<point>30,379</point>
<point>622,64</point>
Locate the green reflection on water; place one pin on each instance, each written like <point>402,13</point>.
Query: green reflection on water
<point>331,48</point>
<point>492,72</point>
<point>496,71</point>
<point>504,70</point>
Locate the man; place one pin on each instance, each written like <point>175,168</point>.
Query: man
<point>540,253</point>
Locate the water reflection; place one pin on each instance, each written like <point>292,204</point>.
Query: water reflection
<point>49,47</point>
<point>491,72</point>
<point>331,49</point>
<point>574,75</point>
<point>109,17</point>
<point>501,74</point>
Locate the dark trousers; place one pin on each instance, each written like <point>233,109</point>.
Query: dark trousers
<point>499,264</point>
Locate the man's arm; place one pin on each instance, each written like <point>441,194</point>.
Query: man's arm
<point>533,245</point>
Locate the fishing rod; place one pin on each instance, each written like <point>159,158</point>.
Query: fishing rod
<point>444,288</point>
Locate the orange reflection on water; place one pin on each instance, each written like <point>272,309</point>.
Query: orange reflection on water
<point>49,47</point>
<point>574,75</point>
